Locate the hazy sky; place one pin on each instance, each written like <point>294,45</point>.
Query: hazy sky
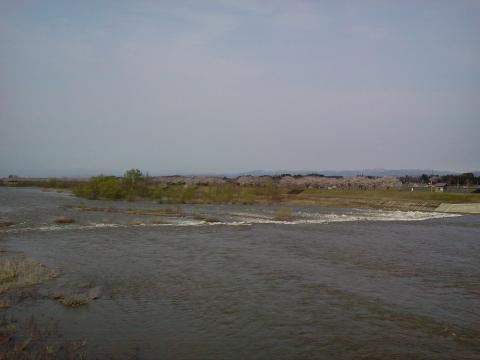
<point>226,86</point>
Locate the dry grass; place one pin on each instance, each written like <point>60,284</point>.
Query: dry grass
<point>284,214</point>
<point>437,197</point>
<point>207,219</point>
<point>381,199</point>
<point>74,300</point>
<point>19,272</point>
<point>28,342</point>
<point>159,212</point>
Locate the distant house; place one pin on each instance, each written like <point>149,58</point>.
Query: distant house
<point>440,187</point>
<point>12,180</point>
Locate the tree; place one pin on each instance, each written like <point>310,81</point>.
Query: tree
<point>133,178</point>
<point>468,178</point>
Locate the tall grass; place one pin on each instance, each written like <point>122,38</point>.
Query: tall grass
<point>226,193</point>
<point>19,272</point>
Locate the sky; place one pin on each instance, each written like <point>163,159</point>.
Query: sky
<point>229,86</point>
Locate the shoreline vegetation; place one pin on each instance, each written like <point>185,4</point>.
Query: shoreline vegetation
<point>25,280</point>
<point>390,193</point>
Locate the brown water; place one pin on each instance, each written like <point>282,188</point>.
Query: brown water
<point>329,283</point>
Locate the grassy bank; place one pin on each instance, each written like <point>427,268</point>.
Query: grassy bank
<point>134,185</point>
<point>272,193</point>
<point>376,199</point>
<point>395,194</point>
<point>382,199</point>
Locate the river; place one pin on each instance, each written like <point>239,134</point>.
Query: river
<point>234,282</point>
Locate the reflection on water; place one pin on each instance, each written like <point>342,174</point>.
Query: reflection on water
<point>233,282</point>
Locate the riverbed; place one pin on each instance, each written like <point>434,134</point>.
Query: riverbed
<point>238,282</point>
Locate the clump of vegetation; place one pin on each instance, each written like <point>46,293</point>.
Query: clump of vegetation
<point>216,194</point>
<point>158,212</point>
<point>130,186</point>
<point>27,342</point>
<point>75,300</point>
<point>175,194</point>
<point>20,272</point>
<point>134,185</point>
<point>295,191</point>
<point>207,219</point>
<point>284,214</point>
<point>64,220</point>
<point>108,187</point>
<point>16,275</point>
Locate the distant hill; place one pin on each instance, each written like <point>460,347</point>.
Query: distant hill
<point>366,172</point>
<point>84,173</point>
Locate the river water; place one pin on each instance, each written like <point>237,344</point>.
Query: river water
<point>327,283</point>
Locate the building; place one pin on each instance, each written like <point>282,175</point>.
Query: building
<point>12,180</point>
<point>440,187</point>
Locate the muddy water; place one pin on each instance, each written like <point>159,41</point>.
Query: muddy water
<point>232,282</point>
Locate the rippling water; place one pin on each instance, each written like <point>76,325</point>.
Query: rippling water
<point>232,282</point>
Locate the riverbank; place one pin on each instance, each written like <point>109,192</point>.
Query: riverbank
<point>387,193</point>
<point>386,200</point>
<point>338,198</point>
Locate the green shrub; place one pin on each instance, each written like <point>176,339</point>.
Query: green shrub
<point>110,188</point>
<point>87,191</point>
<point>133,178</point>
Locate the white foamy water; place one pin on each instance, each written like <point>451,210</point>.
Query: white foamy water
<point>379,215</point>
<point>366,215</point>
<point>248,219</point>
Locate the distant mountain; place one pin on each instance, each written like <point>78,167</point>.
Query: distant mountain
<point>366,172</point>
<point>84,173</point>
<point>403,172</point>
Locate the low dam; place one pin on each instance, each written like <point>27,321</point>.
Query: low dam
<point>459,208</point>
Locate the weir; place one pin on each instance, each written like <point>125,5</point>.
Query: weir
<point>459,208</point>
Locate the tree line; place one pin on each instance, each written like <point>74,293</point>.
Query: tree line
<point>465,179</point>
